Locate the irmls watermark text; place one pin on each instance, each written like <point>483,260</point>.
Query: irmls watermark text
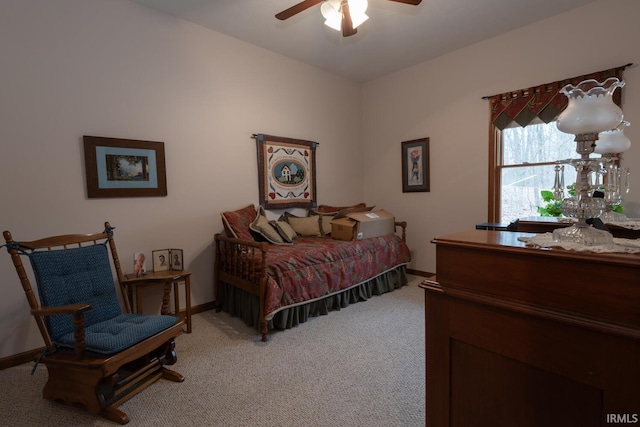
<point>622,418</point>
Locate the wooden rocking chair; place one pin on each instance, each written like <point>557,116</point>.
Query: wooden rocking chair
<point>96,355</point>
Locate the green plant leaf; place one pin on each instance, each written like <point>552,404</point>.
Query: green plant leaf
<point>553,206</point>
<point>547,195</point>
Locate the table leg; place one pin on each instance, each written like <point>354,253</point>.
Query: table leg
<point>187,295</point>
<point>165,298</point>
<point>138,300</point>
<point>176,297</point>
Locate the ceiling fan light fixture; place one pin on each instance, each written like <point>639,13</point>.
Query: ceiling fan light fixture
<point>331,10</point>
<point>341,15</point>
<point>358,7</point>
<point>358,19</point>
<point>333,23</point>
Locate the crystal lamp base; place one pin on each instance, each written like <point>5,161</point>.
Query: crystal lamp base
<point>588,236</point>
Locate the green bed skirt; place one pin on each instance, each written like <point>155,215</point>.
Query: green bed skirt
<point>240,303</point>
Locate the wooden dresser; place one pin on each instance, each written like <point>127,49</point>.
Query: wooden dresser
<point>517,336</point>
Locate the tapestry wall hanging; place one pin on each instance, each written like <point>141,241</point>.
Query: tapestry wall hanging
<point>124,167</point>
<point>286,172</point>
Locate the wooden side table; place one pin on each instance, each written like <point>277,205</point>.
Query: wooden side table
<point>168,279</point>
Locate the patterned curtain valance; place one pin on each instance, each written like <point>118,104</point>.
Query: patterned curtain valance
<point>544,101</point>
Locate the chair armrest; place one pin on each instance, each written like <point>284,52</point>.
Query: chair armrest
<point>78,322</point>
<point>61,309</point>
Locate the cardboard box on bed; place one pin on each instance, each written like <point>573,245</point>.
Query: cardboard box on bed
<point>363,225</point>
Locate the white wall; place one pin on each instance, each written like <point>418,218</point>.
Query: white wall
<point>114,68</point>
<point>442,99</point>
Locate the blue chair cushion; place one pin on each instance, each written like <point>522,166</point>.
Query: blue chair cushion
<point>123,331</point>
<point>74,276</point>
<point>83,276</point>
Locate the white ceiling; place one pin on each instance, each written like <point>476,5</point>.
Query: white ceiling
<point>395,36</point>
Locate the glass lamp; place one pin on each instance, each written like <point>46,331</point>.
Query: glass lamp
<point>590,110</point>
<point>614,141</point>
<point>331,10</point>
<point>615,179</point>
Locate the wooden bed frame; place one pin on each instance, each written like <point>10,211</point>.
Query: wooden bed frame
<point>235,265</point>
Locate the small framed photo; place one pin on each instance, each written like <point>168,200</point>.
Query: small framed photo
<point>139,264</point>
<point>161,260</point>
<point>177,262</point>
<point>415,165</point>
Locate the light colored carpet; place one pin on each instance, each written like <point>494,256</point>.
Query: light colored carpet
<point>361,366</point>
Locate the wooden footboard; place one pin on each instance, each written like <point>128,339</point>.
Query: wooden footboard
<point>403,225</point>
<point>243,264</point>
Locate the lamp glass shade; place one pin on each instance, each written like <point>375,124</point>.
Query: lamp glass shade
<point>358,7</point>
<point>591,108</point>
<point>330,10</point>
<point>613,141</point>
<point>358,19</point>
<point>333,23</point>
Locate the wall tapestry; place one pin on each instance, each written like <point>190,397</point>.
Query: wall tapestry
<point>124,167</point>
<point>286,172</point>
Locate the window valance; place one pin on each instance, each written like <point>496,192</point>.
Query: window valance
<point>544,101</point>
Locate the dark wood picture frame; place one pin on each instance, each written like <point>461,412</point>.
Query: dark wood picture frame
<point>297,187</point>
<point>415,166</point>
<point>124,167</point>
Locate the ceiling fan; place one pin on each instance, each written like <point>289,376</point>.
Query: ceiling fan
<point>341,15</point>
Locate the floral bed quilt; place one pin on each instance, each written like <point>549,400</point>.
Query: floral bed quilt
<point>316,267</point>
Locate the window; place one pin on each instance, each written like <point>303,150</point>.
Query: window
<point>527,166</point>
<point>525,143</point>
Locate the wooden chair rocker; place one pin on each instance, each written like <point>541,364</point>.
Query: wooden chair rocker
<point>96,355</point>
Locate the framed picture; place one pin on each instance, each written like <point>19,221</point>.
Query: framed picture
<point>415,165</point>
<point>167,259</point>
<point>177,263</point>
<point>286,172</point>
<point>124,167</point>
<point>139,264</point>
<point>161,260</point>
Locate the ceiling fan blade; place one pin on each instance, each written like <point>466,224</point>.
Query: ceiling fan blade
<point>347,23</point>
<point>413,2</point>
<point>295,9</point>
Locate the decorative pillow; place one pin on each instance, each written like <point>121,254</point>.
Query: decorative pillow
<point>336,209</point>
<point>304,226</point>
<point>264,228</point>
<point>236,223</point>
<point>325,220</point>
<point>287,233</point>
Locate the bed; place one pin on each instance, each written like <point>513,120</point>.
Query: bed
<point>279,286</point>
